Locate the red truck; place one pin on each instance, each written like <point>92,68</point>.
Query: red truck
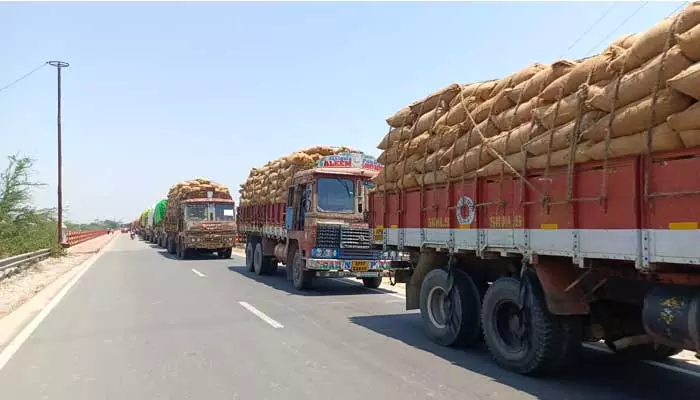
<point>536,266</point>
<point>321,230</point>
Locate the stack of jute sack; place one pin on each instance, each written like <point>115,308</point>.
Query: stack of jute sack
<point>269,184</point>
<point>543,116</point>
<point>197,188</point>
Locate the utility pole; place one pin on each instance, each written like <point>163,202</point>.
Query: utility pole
<point>59,65</point>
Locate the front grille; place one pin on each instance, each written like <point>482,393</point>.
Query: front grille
<point>359,254</point>
<point>355,238</point>
<point>328,236</point>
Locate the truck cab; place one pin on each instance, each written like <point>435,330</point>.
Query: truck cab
<point>205,225</point>
<point>326,222</point>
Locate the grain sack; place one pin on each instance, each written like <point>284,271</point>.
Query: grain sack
<point>688,81</point>
<point>533,86</point>
<point>457,114</point>
<point>417,145</point>
<point>442,96</point>
<point>392,154</point>
<point>470,161</point>
<point>496,167</point>
<point>486,128</point>
<point>663,139</point>
<point>431,178</point>
<point>516,78</point>
<point>465,142</point>
<point>686,120</point>
<point>625,41</point>
<point>652,42</point>
<point>426,121</point>
<point>569,107</point>
<point>595,67</point>
<point>639,83</point>
<point>403,117</point>
<point>483,90</point>
<point>560,157</point>
<point>513,141</point>
<point>407,181</point>
<point>429,163</point>
<point>560,137</point>
<point>394,136</point>
<point>403,167</point>
<point>515,116</point>
<point>690,43</point>
<point>492,106</point>
<point>391,173</point>
<point>690,138</point>
<point>635,117</point>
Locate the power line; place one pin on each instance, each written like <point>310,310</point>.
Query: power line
<point>9,85</point>
<point>590,28</point>
<point>617,27</point>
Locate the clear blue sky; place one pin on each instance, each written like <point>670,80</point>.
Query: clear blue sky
<point>158,93</point>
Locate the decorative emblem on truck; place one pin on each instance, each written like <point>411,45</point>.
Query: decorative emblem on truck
<point>350,160</point>
<point>465,210</point>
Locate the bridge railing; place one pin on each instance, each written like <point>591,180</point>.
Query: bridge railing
<point>83,236</point>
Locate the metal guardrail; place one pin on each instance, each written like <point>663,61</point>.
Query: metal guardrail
<point>10,265</point>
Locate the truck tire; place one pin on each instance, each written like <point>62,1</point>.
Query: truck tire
<point>183,253</point>
<point>372,283</point>
<point>226,253</point>
<point>549,343</point>
<point>300,278</point>
<point>465,329</point>
<point>249,253</point>
<point>171,246</point>
<point>258,259</point>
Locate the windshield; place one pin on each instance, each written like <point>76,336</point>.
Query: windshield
<point>223,212</point>
<point>336,195</point>
<point>196,212</point>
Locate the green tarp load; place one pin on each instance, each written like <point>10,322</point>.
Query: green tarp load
<point>159,211</point>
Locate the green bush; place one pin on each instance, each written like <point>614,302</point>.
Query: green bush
<point>23,228</point>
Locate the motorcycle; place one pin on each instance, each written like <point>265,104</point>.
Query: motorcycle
<point>132,235</point>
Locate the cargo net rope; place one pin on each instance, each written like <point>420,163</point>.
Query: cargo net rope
<point>268,184</point>
<point>637,97</point>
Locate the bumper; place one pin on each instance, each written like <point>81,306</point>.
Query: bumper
<point>347,268</point>
<point>210,243</point>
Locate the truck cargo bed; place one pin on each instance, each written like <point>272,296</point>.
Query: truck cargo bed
<point>640,209</point>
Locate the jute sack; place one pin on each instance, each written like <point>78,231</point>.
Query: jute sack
<point>652,42</point>
<point>465,142</point>
<point>405,166</point>
<point>392,154</point>
<point>663,139</point>
<point>390,173</point>
<point>418,144</point>
<point>516,78</point>
<point>560,137</point>
<point>394,135</point>
<point>686,120</point>
<point>444,95</point>
<point>517,115</point>
<point>431,178</point>
<point>407,181</point>
<point>457,113</point>
<point>625,41</point>
<point>690,138</point>
<point>688,81</point>
<point>639,83</point>
<point>569,107</point>
<point>560,157</point>
<point>513,141</point>
<point>493,106</point>
<point>496,167</point>
<point>486,128</point>
<point>636,117</point>
<point>595,67</point>
<point>470,161</point>
<point>429,163</point>
<point>690,43</point>
<point>483,90</point>
<point>533,86</point>
<point>426,121</point>
<point>403,117</point>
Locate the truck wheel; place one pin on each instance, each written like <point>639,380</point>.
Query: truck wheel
<point>258,259</point>
<point>226,253</point>
<point>249,253</point>
<point>453,320</point>
<point>649,351</point>
<point>541,345</point>
<point>178,250</point>
<point>300,278</point>
<point>372,283</point>
<point>171,246</point>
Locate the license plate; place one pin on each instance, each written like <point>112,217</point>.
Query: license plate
<point>360,266</point>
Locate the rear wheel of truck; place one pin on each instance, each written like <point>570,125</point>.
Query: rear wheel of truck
<point>450,319</point>
<point>372,283</point>
<point>226,253</point>
<point>529,342</point>
<point>258,259</point>
<point>300,278</point>
<point>183,252</point>
<point>171,246</point>
<point>249,253</point>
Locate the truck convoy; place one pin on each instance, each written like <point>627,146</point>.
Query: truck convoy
<point>308,211</point>
<point>199,217</point>
<point>557,205</point>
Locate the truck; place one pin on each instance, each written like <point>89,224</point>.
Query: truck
<point>159,235</point>
<point>199,218</point>
<point>320,229</point>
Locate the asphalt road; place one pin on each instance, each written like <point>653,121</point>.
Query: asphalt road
<point>142,325</point>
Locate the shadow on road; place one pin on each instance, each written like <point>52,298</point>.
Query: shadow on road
<point>319,287</point>
<point>192,257</point>
<point>597,375</point>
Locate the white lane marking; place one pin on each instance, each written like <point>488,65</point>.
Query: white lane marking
<point>261,315</point>
<point>25,333</point>
<point>648,362</point>
<point>370,289</point>
<point>199,274</point>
